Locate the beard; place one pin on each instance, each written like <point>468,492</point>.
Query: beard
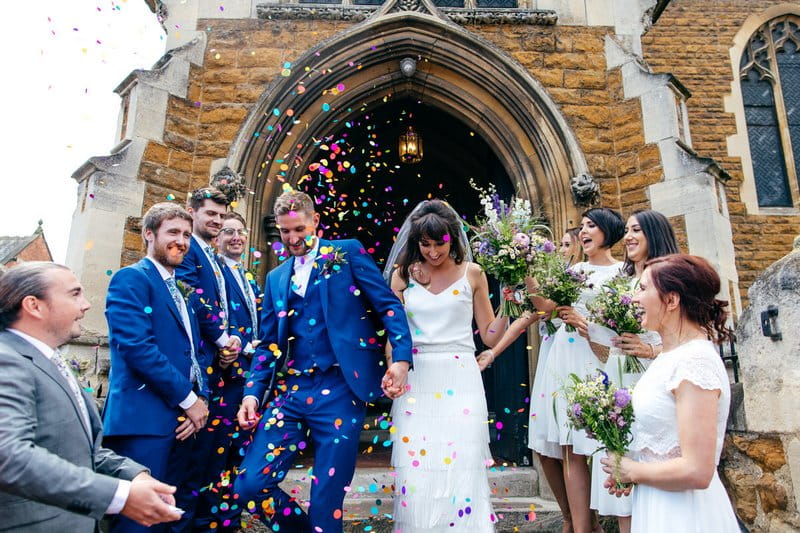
<point>170,256</point>
<point>305,248</point>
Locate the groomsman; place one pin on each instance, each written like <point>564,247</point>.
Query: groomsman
<point>201,271</point>
<point>158,392</point>
<point>244,305</point>
<point>54,473</point>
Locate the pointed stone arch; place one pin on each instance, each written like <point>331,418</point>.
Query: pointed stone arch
<point>457,71</point>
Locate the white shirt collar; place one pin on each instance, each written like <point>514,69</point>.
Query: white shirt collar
<point>46,350</point>
<point>201,241</point>
<point>161,269</point>
<point>231,262</point>
<point>308,258</point>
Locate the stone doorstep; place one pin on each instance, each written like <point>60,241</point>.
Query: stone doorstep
<point>370,484</point>
<point>513,514</point>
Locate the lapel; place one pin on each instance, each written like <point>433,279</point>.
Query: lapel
<point>204,263</point>
<point>48,367</point>
<point>284,281</point>
<point>321,281</point>
<point>234,280</point>
<point>163,292</point>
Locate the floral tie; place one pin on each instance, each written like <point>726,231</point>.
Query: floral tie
<point>223,297</point>
<point>251,298</point>
<point>194,374</point>
<point>73,385</point>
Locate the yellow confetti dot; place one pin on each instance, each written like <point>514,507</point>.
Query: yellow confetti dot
<point>447,460</point>
<point>455,291</point>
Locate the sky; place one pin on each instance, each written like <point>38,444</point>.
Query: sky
<point>62,61</point>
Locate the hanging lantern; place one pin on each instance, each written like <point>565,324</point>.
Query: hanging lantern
<point>410,147</point>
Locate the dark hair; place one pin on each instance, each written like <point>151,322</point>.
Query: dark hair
<point>610,223</point>
<point>20,281</point>
<point>160,212</point>
<point>198,197</point>
<point>697,283</point>
<point>659,234</point>
<point>234,215</point>
<point>433,220</point>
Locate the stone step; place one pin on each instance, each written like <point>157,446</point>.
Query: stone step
<point>373,483</point>
<point>520,515</point>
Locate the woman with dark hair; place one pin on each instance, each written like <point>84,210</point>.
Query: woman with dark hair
<point>648,234</point>
<point>569,353</point>
<point>681,405</point>
<point>440,433</point>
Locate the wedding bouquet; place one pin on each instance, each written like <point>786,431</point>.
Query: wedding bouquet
<point>557,282</point>
<point>507,238</point>
<point>604,411</point>
<point>613,310</point>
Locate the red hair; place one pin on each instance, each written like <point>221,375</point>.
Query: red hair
<point>697,283</point>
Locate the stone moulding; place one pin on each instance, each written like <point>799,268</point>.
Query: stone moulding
<point>356,13</point>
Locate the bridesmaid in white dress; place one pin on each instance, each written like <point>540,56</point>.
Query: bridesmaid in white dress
<point>681,405</point>
<point>570,353</point>
<point>440,431</point>
<point>648,234</point>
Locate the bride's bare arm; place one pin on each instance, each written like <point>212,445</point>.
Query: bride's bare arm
<point>490,328</point>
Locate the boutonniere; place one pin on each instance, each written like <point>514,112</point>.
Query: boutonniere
<point>186,289</point>
<point>79,368</point>
<point>333,259</point>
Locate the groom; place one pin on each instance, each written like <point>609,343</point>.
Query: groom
<point>326,313</point>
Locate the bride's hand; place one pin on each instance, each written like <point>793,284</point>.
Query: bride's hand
<point>485,358</point>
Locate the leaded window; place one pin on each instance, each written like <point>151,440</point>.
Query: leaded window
<point>770,77</point>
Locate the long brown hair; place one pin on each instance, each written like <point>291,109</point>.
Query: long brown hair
<point>697,283</point>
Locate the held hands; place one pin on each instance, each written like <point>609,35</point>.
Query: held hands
<point>248,415</point>
<point>485,358</point>
<point>631,344</point>
<point>542,304</point>
<point>150,501</point>
<point>621,473</point>
<point>195,420</point>
<point>394,380</point>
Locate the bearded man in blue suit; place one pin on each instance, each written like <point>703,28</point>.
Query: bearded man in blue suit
<point>326,314</point>
<point>158,392</point>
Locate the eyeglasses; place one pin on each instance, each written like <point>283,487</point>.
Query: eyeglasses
<point>230,231</point>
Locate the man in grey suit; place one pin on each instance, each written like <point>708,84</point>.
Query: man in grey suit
<point>54,474</point>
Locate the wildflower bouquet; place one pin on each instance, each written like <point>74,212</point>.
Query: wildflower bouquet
<point>604,411</point>
<point>613,310</point>
<point>507,239</point>
<point>557,282</point>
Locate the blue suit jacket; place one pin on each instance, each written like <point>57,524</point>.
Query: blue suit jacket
<point>239,320</point>
<point>150,354</point>
<point>196,271</point>
<point>356,303</point>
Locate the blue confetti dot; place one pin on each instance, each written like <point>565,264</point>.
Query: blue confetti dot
<point>148,309</point>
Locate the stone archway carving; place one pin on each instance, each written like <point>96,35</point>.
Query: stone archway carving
<point>457,71</point>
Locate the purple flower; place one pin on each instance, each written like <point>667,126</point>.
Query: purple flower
<point>625,299</point>
<point>621,422</point>
<point>622,398</point>
<point>549,247</point>
<point>522,239</point>
<point>576,409</point>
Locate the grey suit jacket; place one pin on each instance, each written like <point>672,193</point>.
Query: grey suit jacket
<point>54,475</point>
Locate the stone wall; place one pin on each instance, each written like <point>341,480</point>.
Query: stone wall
<point>692,40</point>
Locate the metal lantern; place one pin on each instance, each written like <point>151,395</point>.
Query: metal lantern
<point>410,147</point>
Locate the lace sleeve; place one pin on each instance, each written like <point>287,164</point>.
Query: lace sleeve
<point>700,369</point>
<point>650,337</point>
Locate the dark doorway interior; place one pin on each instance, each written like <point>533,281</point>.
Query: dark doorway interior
<point>363,191</point>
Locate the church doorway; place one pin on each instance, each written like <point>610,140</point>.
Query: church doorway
<point>364,191</point>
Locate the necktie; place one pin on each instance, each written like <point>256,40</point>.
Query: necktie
<point>248,293</point>
<point>73,385</point>
<point>223,297</point>
<point>177,299</point>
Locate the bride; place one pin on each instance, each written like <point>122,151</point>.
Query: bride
<point>440,431</point>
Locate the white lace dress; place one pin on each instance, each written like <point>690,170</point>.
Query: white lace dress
<point>440,430</point>
<point>656,439</point>
<point>569,353</point>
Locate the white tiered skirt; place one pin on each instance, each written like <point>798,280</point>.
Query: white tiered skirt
<point>441,446</point>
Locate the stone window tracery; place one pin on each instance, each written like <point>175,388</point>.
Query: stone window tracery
<point>769,73</point>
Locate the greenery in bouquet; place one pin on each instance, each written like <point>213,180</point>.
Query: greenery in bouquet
<point>614,309</point>
<point>557,281</point>
<point>603,411</point>
<point>505,243</point>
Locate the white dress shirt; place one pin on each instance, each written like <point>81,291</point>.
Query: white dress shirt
<point>124,486</point>
<point>303,266</point>
<point>222,340</point>
<point>235,267</point>
<point>165,274</point>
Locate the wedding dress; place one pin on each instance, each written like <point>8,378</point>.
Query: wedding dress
<point>440,429</point>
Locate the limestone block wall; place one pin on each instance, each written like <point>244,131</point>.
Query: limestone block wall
<point>692,40</point>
